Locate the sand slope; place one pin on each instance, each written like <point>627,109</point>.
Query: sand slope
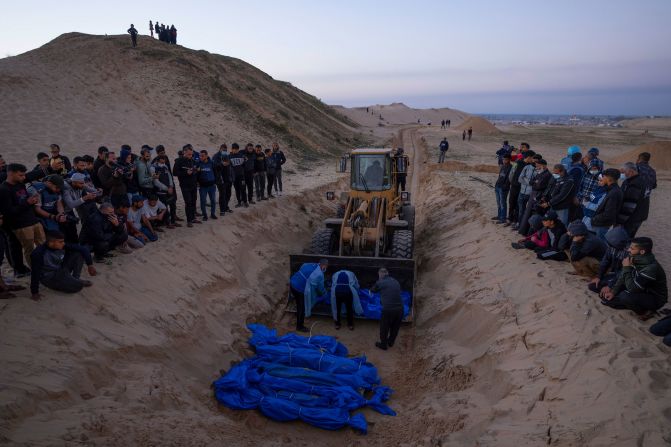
<point>660,152</point>
<point>399,113</point>
<point>479,125</point>
<point>82,91</point>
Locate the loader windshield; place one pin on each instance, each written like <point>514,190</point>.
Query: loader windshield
<point>371,172</point>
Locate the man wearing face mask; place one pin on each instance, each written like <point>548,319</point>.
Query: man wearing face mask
<point>635,202</point>
<point>589,182</point>
<point>539,183</point>
<point>559,194</point>
<point>606,213</point>
<point>641,285</point>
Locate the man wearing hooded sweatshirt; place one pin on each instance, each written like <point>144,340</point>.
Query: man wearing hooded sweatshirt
<point>617,241</point>
<point>223,172</point>
<point>568,160</point>
<point>145,179</point>
<point>238,168</point>
<point>635,200</point>
<point>606,213</point>
<point>249,166</point>
<point>515,185</point>
<point>207,185</point>
<point>641,284</point>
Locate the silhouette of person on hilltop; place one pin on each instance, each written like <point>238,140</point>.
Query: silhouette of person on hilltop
<point>133,35</point>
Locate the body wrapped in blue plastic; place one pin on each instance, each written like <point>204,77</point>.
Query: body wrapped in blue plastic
<point>307,378</point>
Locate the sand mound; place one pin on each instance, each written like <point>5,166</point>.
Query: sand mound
<point>399,113</point>
<point>662,123</point>
<point>480,126</point>
<point>82,91</point>
<point>659,150</point>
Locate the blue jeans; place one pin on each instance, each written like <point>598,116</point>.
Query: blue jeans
<point>501,203</point>
<point>522,201</point>
<point>563,216</point>
<point>206,191</point>
<point>152,237</point>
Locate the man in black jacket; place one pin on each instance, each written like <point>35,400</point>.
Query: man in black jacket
<point>646,171</point>
<point>635,200</point>
<point>280,159</point>
<point>41,170</point>
<point>250,163</point>
<point>617,241</point>
<point>501,189</point>
<point>18,209</point>
<point>392,308</point>
<point>559,194</point>
<point>186,171</point>
<point>605,216</point>
<point>237,160</point>
<point>58,265</point>
<point>260,173</point>
<point>224,178</point>
<point>60,164</point>
<point>97,164</point>
<point>102,231</point>
<point>585,249</point>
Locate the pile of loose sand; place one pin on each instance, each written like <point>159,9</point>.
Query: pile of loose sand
<point>479,125</point>
<point>660,152</point>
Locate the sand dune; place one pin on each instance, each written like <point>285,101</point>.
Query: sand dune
<point>399,113</point>
<point>84,91</point>
<point>660,152</point>
<point>480,126</point>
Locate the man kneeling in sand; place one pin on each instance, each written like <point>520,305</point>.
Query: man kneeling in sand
<point>585,250</point>
<point>58,265</point>
<point>641,284</point>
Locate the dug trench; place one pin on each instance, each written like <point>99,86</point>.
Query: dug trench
<point>495,356</point>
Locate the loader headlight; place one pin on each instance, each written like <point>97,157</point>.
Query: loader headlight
<point>330,195</point>
<point>405,196</point>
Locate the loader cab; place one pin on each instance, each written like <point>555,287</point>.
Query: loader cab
<point>371,170</point>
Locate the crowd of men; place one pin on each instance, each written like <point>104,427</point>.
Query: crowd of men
<point>63,214</point>
<point>163,33</point>
<point>580,212</point>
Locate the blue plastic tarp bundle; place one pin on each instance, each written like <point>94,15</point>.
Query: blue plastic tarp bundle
<point>370,303</point>
<point>307,378</point>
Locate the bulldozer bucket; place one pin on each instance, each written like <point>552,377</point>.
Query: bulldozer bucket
<point>365,269</point>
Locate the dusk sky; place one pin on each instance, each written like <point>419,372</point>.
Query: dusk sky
<point>601,57</point>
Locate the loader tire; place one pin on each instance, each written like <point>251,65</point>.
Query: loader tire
<point>408,214</point>
<point>324,242</point>
<point>401,244</point>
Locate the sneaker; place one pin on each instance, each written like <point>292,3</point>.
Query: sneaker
<point>271,196</point>
<point>500,222</point>
<point>25,274</point>
<point>214,216</point>
<point>159,230</point>
<point>495,218</point>
<point>125,249</point>
<point>204,219</point>
<point>516,245</point>
<point>170,227</point>
<point>177,225</point>
<point>390,344</point>
<point>189,225</point>
<point>380,345</point>
<point>514,227</point>
<point>238,205</point>
<point>85,282</point>
<point>337,326</point>
<point>251,202</point>
<point>223,213</point>
<point>247,204</point>
<point>198,221</point>
<point>302,329</point>
<point>178,219</point>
